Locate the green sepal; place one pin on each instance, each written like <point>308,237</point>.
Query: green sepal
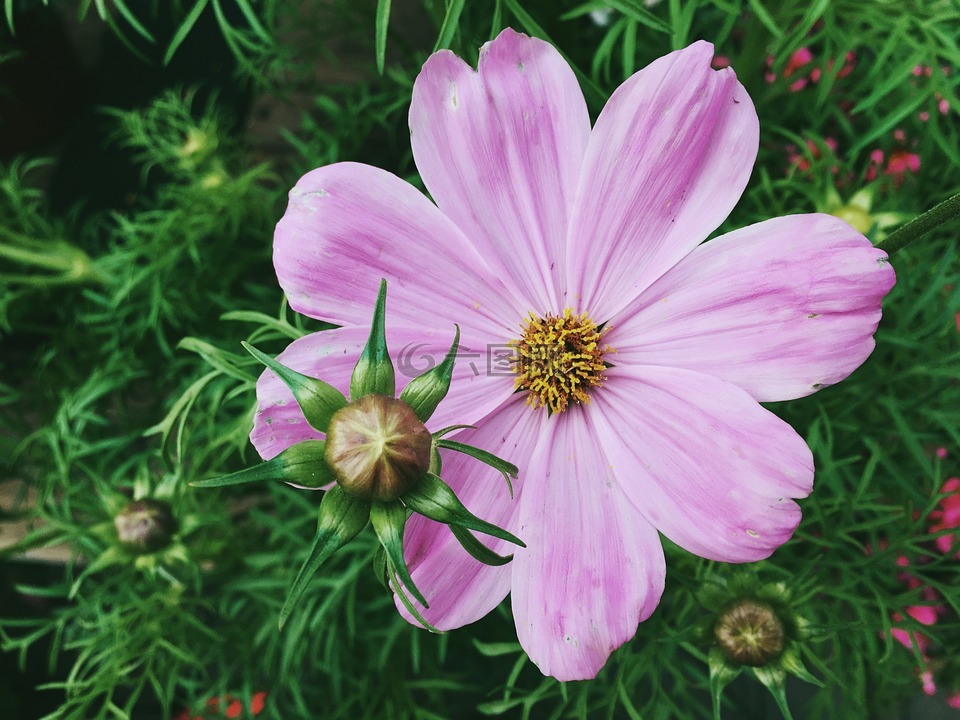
<point>341,519</point>
<point>425,391</point>
<point>398,589</point>
<point>477,549</point>
<point>722,673</point>
<point>380,569</point>
<point>433,498</point>
<point>508,470</point>
<point>450,428</point>
<point>388,520</point>
<point>436,462</point>
<point>774,679</point>
<point>791,662</point>
<point>318,400</point>
<point>374,370</point>
<point>301,465</point>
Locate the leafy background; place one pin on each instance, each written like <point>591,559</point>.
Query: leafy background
<point>146,153</point>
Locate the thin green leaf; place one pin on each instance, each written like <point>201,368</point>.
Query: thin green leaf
<point>388,520</point>
<point>318,400</point>
<point>185,27</point>
<point>374,371</point>
<point>764,16</point>
<point>382,23</point>
<point>253,21</point>
<point>450,23</point>
<point>132,20</point>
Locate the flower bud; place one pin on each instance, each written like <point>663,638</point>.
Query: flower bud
<point>377,447</point>
<point>749,632</point>
<point>145,525</point>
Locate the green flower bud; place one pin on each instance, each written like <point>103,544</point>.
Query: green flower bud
<point>377,447</point>
<point>749,632</point>
<point>145,526</point>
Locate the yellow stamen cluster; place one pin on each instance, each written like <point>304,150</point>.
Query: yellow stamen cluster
<point>558,358</point>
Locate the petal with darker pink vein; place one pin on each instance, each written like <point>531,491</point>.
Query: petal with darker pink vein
<point>593,568</point>
<point>700,459</point>
<point>669,157</point>
<point>500,151</point>
<point>349,225</point>
<point>461,590</point>
<point>331,356</point>
<point>780,308</point>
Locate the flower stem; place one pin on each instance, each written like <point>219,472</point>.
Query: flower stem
<point>946,211</point>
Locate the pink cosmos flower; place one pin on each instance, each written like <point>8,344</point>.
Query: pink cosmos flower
<point>572,260</point>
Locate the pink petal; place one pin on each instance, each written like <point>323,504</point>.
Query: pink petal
<point>461,590</point>
<point>349,225</point>
<point>702,461</point>
<point>500,152</point>
<point>331,356</point>
<point>780,308</point>
<point>667,161</point>
<point>593,567</point>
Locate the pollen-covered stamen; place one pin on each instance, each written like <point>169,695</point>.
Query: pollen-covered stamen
<point>558,358</point>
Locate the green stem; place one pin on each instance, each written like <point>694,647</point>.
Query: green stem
<point>44,258</point>
<point>918,227</point>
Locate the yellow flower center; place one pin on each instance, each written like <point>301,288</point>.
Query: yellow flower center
<point>558,358</point>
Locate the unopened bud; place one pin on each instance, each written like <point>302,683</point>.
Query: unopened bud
<point>145,525</point>
<point>750,633</point>
<point>377,447</point>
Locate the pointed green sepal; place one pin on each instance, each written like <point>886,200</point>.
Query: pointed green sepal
<point>300,465</point>
<point>398,589</point>
<point>508,470</point>
<point>318,400</point>
<point>374,370</point>
<point>341,519</point>
<point>791,662</point>
<point>388,520</point>
<point>425,391</point>
<point>450,428</point>
<point>380,569</point>
<point>774,679</point>
<point>722,673</point>
<point>477,549</point>
<point>433,498</point>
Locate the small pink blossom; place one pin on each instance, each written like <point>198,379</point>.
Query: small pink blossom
<point>954,700</point>
<point>946,516</point>
<point>538,213</point>
<point>941,452</point>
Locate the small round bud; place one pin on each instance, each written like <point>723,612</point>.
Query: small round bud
<point>750,633</point>
<point>377,447</point>
<point>145,525</point>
